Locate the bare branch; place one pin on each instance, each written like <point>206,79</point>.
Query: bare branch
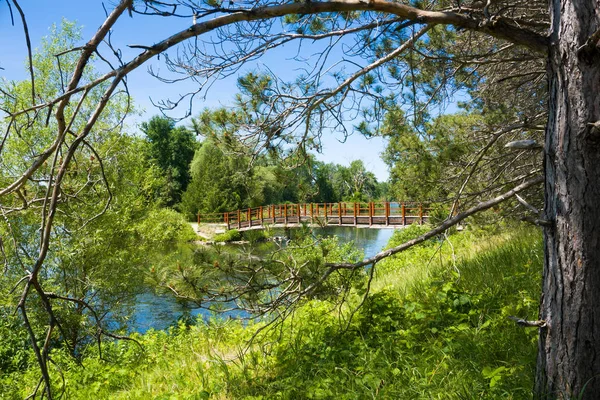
<point>527,205</point>
<point>28,42</point>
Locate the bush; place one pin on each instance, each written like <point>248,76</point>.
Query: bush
<point>232,235</point>
<point>164,225</point>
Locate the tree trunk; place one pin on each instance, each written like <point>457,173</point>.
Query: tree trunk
<point>569,347</point>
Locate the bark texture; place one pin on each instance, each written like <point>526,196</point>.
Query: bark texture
<point>569,347</point>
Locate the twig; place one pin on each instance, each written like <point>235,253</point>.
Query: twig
<point>528,324</point>
<point>527,205</point>
<point>537,221</point>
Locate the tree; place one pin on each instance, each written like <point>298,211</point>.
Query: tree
<point>362,184</point>
<point>102,203</point>
<point>230,174</point>
<point>434,46</point>
<point>171,149</point>
<point>226,175</point>
<point>434,162</point>
<point>218,182</point>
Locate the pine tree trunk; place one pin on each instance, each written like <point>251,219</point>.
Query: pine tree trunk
<point>569,347</point>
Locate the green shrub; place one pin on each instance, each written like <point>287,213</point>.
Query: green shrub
<point>228,236</point>
<point>164,225</point>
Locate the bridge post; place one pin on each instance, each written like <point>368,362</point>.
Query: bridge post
<point>325,208</point>
<point>312,213</point>
<point>371,210</point>
<point>340,214</point>
<point>239,217</point>
<point>355,215</point>
<point>298,211</point>
<point>387,213</point>
<point>262,216</point>
<point>403,214</point>
<point>420,213</point>
<point>226,218</point>
<point>285,214</point>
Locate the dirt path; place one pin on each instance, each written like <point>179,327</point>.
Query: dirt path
<point>208,231</point>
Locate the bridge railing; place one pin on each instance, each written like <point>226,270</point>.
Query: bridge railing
<point>340,213</point>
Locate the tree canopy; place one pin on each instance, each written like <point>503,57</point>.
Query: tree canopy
<point>171,149</point>
<point>226,175</point>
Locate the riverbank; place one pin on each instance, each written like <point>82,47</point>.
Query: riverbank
<point>442,334</point>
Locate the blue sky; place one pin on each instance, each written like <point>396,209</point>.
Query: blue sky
<point>89,14</point>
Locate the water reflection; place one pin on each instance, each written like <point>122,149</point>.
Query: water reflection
<point>161,311</point>
<point>371,241</point>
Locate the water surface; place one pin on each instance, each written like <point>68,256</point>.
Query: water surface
<point>161,311</point>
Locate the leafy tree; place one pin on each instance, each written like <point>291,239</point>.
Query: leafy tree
<point>219,182</point>
<point>171,148</point>
<point>101,266</point>
<point>226,175</point>
<point>325,174</point>
<point>361,184</point>
<point>96,251</point>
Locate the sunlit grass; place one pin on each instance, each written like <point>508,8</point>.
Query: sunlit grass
<point>412,269</point>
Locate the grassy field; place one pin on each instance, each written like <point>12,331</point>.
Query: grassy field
<point>434,326</point>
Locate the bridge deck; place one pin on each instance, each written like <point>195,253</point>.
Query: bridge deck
<point>383,214</point>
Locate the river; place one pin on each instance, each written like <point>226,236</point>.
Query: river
<point>160,312</point>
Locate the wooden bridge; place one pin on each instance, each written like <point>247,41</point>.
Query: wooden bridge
<point>373,214</point>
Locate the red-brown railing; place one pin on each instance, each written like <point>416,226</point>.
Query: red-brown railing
<point>341,213</point>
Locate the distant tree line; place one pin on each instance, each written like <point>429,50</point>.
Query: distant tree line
<point>218,174</point>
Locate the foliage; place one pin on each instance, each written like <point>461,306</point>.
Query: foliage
<point>258,276</point>
<point>256,236</point>
<point>422,162</point>
<point>226,175</point>
<point>219,181</point>
<point>171,149</point>
<point>358,184</point>
<point>105,224</point>
<point>231,235</point>
<point>163,227</point>
<point>86,249</point>
<point>15,355</point>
